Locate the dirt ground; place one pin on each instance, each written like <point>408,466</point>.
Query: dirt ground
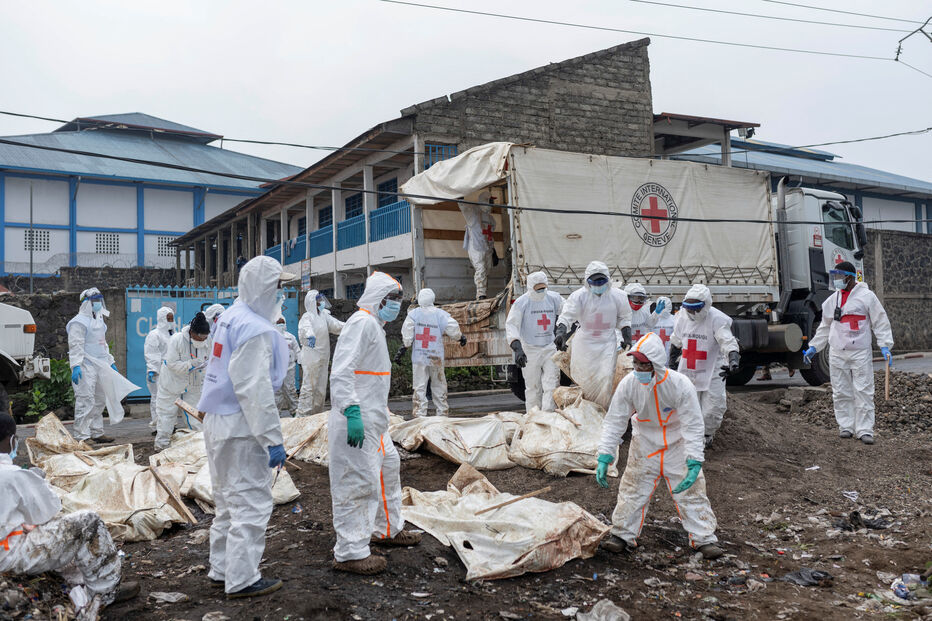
<point>775,514</point>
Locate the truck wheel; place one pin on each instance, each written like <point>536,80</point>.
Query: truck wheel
<point>818,372</point>
<point>516,381</point>
<point>744,375</point>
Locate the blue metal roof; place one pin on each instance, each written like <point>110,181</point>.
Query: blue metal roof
<point>139,121</point>
<point>809,163</point>
<point>161,148</point>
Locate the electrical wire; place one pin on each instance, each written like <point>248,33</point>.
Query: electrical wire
<point>774,17</point>
<point>426,197</point>
<point>822,8</point>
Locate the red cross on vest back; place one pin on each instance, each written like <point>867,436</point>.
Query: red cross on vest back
<point>543,322</point>
<point>652,213</point>
<point>637,336</point>
<point>426,338</point>
<point>692,353</point>
<point>597,325</point>
<point>853,321</point>
<point>662,333</point>
<point>487,231</point>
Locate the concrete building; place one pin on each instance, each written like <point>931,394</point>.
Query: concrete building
<point>91,211</point>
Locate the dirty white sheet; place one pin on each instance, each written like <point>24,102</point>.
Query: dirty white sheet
<point>531,535</point>
<point>480,442</point>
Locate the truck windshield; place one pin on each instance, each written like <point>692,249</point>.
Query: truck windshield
<point>837,228</point>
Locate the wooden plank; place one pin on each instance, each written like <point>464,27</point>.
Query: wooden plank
<point>454,235</point>
<point>173,497</point>
<point>514,500</point>
<point>190,409</point>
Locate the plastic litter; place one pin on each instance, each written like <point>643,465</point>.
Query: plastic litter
<point>297,508</point>
<point>809,577</point>
<point>855,521</point>
<point>604,610</point>
<point>852,496</point>
<point>169,598</point>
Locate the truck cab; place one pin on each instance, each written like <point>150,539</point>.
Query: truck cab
<point>18,363</point>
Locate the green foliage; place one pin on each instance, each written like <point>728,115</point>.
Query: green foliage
<point>53,393</point>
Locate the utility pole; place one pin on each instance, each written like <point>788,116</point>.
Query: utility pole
<point>32,239</point>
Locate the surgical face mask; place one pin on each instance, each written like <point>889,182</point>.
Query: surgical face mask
<point>598,289</point>
<point>279,296</point>
<point>538,295</point>
<point>96,306</point>
<point>635,305</point>
<point>280,327</point>
<point>14,443</point>
<point>321,306</point>
<point>390,311</point>
<point>839,284</point>
<point>199,344</point>
<point>644,376</point>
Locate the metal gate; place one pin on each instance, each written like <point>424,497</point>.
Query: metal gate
<point>142,304</point>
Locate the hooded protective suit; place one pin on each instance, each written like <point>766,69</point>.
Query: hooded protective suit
<point>706,341</point>
<point>319,324</point>
<point>365,483</point>
<point>154,352</point>
<point>76,545</point>
<point>99,384</point>
<point>531,320</point>
<point>643,320</point>
<point>667,429</point>
<point>850,356</point>
<point>479,243</point>
<point>595,345</point>
<point>287,397</point>
<point>182,377</point>
<point>424,328</point>
<point>248,362</point>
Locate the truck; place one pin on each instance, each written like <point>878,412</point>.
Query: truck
<point>764,249</point>
<point>18,362</point>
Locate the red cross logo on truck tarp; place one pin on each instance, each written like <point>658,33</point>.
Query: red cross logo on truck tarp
<point>426,338</point>
<point>597,325</point>
<point>692,353</point>
<point>544,323</point>
<point>853,321</point>
<point>654,214</point>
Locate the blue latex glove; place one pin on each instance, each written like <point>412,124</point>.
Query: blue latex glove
<point>76,375</point>
<point>311,341</point>
<point>808,355</point>
<point>355,430</point>
<point>150,376</point>
<point>601,471</point>
<point>887,356</point>
<point>113,366</point>
<point>691,475</point>
<point>277,456</point>
<point>661,304</point>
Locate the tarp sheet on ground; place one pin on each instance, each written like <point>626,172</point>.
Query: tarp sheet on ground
<point>530,535</point>
<point>305,437</point>
<point>480,442</point>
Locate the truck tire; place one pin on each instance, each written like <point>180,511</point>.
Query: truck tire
<point>744,375</point>
<point>818,372</point>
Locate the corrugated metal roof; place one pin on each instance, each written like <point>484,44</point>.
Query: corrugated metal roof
<point>140,146</point>
<point>137,120</point>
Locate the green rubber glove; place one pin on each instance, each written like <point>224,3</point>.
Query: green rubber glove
<point>355,431</point>
<point>601,471</point>
<point>691,475</point>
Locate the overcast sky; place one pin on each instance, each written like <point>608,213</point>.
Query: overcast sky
<point>323,72</point>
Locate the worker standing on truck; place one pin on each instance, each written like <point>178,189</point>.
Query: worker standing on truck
<point>702,343</point>
<point>424,329</point>
<point>643,319</point>
<point>479,241</point>
<point>600,310</point>
<point>848,316</point>
<point>314,330</point>
<point>529,330</point>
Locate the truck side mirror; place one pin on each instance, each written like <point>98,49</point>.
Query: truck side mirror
<point>861,232</point>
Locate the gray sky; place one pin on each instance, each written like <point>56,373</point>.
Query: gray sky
<point>323,72</point>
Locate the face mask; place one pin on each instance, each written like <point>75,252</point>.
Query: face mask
<point>598,289</point>
<point>321,307</point>
<point>644,376</point>
<point>839,283</point>
<point>279,296</point>
<point>538,295</point>
<point>15,445</point>
<point>390,311</point>
<point>96,306</point>
<point>635,306</point>
<point>280,327</point>
<point>199,344</point>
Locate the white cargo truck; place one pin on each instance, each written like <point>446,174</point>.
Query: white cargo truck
<point>765,258</point>
<point>18,362</point>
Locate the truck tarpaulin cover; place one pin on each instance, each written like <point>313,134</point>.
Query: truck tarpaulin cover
<point>460,176</point>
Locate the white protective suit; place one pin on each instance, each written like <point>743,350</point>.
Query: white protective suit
<point>479,243</point>
<point>850,357</point>
<point>182,377</point>
<point>595,344</point>
<point>77,546</point>
<point>667,429</point>
<point>154,352</point>
<point>248,362</point>
<point>423,330</point>
<point>706,341</point>
<point>286,398</point>
<point>642,319</point>
<point>212,313</point>
<point>365,482</point>
<point>100,385</point>
<point>532,320</point>
<point>314,360</point>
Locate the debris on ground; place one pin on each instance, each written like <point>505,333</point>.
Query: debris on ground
<point>604,610</point>
<point>809,577</point>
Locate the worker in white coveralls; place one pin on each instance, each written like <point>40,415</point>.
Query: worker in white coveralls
<point>154,352</point>
<point>600,310</point>
<point>182,377</point>
<point>704,350</point>
<point>423,331</point>
<point>848,316</point>
<point>286,398</point>
<point>212,313</point>
<point>365,483</point>
<point>248,362</point>
<point>314,330</point>
<point>94,377</point>
<point>666,450</point>
<point>529,331</point>
<point>479,242</point>
<point>643,319</point>
<point>34,541</point>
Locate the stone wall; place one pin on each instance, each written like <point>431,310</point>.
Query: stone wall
<point>78,279</point>
<point>598,103</point>
<point>898,268</point>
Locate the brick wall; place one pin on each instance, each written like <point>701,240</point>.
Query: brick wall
<point>78,279</point>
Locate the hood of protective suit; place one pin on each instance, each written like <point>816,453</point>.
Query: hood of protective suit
<point>378,285</point>
<point>85,308</point>
<point>212,311</point>
<point>258,282</point>
<point>425,299</point>
<point>597,267</point>
<point>310,302</point>
<point>536,278</point>
<point>652,346</point>
<point>635,288</point>
<point>163,324</point>
<point>699,292</point>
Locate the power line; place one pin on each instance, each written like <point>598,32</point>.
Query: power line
<point>774,17</point>
<point>821,8</point>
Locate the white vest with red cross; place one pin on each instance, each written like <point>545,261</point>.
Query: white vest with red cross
<point>853,330</point>
<point>429,325</point>
<point>702,356</point>
<point>538,319</point>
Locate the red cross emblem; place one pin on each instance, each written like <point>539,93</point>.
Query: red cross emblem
<point>426,338</point>
<point>218,349</point>
<point>487,231</point>
<point>663,336</point>
<point>651,213</point>
<point>637,335</point>
<point>597,325</point>
<point>692,353</point>
<point>543,322</point>
<point>853,321</point>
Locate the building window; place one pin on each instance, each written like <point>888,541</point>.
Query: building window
<point>353,206</point>
<point>354,292</point>
<point>324,217</point>
<point>107,243</point>
<point>302,226</point>
<point>434,153</point>
<point>391,187</point>
<point>162,246</point>
<point>36,239</point>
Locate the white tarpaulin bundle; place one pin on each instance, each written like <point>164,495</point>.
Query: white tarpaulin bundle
<point>530,535</point>
<point>480,442</point>
<point>305,437</point>
<point>468,172</point>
